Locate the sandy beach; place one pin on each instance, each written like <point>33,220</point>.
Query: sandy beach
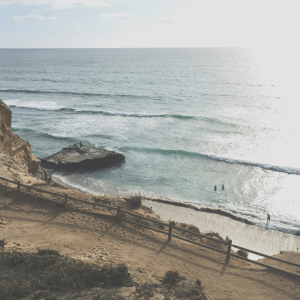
<point>28,224</point>
<point>256,238</point>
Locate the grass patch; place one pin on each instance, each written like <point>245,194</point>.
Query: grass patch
<point>23,273</point>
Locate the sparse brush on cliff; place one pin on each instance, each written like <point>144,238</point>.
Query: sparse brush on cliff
<point>182,290</point>
<point>23,273</point>
<point>214,234</point>
<point>171,278</point>
<point>135,200</point>
<point>242,253</point>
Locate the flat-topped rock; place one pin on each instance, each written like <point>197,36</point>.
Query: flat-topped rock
<point>80,156</point>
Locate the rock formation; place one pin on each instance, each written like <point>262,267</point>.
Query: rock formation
<point>80,156</point>
<point>15,146</point>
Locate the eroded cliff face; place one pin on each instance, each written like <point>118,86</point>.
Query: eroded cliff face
<point>15,146</point>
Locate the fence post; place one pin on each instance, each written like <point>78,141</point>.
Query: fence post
<point>66,200</point>
<point>118,213</point>
<point>170,230</point>
<point>228,250</point>
<point>19,188</point>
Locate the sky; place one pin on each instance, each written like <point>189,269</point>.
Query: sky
<point>148,23</point>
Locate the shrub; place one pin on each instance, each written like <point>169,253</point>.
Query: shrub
<point>242,253</point>
<point>214,234</point>
<point>171,278</point>
<point>135,200</point>
<point>24,273</point>
<point>145,292</point>
<point>194,229</point>
<point>48,252</point>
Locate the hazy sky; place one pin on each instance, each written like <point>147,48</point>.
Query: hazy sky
<point>148,23</point>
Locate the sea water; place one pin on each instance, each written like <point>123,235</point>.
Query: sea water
<point>186,120</point>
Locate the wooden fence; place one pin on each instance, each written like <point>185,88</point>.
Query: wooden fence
<point>120,216</point>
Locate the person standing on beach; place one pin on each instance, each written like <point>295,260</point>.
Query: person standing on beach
<point>268,218</point>
<point>215,188</point>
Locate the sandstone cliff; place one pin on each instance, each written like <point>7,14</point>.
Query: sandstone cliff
<point>15,146</point>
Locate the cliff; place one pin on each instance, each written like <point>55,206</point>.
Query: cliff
<point>13,145</point>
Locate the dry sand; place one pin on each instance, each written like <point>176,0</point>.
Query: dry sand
<point>29,224</point>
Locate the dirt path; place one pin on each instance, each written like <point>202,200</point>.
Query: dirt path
<point>29,224</point>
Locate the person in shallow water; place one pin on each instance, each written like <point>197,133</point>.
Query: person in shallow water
<point>215,188</point>
<point>223,187</point>
<point>268,218</point>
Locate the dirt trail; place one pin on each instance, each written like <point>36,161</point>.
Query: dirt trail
<point>29,224</point>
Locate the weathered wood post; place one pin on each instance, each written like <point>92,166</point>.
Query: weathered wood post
<point>66,200</point>
<point>118,213</point>
<point>19,188</point>
<point>228,250</point>
<point>170,230</point>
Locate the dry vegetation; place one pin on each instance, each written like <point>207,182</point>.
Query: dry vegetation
<point>24,273</point>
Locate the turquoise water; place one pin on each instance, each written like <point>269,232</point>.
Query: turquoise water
<point>186,120</point>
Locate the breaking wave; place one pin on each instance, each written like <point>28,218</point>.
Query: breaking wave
<point>287,170</point>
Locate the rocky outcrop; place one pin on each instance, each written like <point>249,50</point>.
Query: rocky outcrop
<point>15,146</point>
<point>79,156</point>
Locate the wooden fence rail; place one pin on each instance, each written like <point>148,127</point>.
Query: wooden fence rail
<point>169,233</point>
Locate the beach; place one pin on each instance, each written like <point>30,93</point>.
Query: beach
<point>28,223</point>
<point>185,119</point>
<point>256,238</point>
<point>182,128</point>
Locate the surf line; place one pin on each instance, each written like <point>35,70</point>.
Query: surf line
<point>204,209</point>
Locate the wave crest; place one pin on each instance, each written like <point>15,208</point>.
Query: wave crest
<point>71,93</point>
<point>282,169</point>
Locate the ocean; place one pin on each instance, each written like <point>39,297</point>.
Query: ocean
<point>186,120</point>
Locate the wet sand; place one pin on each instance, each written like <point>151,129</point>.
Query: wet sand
<point>256,238</point>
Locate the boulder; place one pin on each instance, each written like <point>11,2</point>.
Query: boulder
<point>79,156</point>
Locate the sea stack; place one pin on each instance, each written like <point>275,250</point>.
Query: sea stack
<point>79,156</point>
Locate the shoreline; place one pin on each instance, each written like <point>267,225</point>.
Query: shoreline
<point>243,233</point>
<point>257,238</point>
<point>165,200</point>
<point>218,211</point>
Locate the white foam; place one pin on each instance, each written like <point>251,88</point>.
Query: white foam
<point>283,169</point>
<point>39,105</point>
